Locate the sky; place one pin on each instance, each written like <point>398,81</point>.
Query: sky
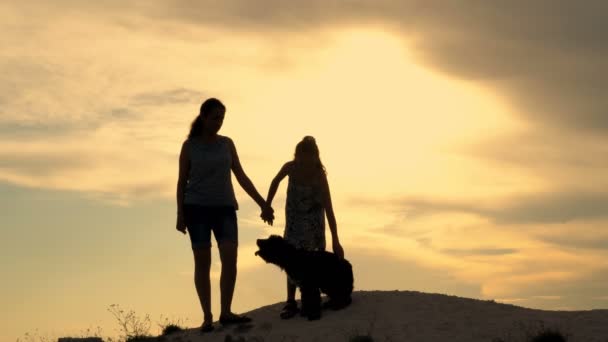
<point>466,146</point>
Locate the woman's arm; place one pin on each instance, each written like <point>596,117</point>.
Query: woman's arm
<point>331,218</point>
<point>248,186</point>
<point>184,168</point>
<point>274,185</point>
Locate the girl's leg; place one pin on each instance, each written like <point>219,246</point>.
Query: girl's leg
<point>291,291</point>
<point>311,302</point>
<point>291,307</point>
<point>202,265</point>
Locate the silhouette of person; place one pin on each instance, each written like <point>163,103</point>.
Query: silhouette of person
<point>308,201</point>
<point>206,202</point>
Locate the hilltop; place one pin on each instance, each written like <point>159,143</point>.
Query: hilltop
<point>412,316</point>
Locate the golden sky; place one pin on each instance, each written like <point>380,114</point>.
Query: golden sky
<point>466,151</point>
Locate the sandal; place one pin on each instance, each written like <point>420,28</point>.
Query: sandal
<point>207,326</point>
<point>234,319</point>
<point>289,310</point>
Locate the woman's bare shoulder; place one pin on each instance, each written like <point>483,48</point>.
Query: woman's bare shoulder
<point>226,140</point>
<point>286,169</point>
<point>288,165</point>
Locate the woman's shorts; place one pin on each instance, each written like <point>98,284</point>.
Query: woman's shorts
<point>201,220</point>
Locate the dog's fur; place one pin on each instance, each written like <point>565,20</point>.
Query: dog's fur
<point>311,271</point>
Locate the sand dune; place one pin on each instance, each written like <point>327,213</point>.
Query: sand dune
<point>412,316</point>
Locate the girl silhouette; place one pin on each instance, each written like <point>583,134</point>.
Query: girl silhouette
<point>308,202</point>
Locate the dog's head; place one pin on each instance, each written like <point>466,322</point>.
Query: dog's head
<point>274,250</point>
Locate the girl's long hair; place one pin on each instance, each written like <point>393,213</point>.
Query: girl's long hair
<point>197,125</point>
<point>308,147</point>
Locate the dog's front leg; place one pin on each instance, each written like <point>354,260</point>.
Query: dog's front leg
<point>311,301</point>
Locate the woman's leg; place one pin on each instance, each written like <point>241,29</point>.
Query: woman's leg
<point>202,265</point>
<point>228,256</point>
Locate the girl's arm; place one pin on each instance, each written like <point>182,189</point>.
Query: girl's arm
<point>247,185</point>
<point>276,181</point>
<point>331,218</point>
<point>184,169</point>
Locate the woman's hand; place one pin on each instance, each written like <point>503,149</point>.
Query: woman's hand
<point>181,224</point>
<point>337,248</point>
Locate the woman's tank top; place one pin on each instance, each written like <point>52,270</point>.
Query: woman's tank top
<point>209,180</point>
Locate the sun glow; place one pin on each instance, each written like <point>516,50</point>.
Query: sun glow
<point>376,111</point>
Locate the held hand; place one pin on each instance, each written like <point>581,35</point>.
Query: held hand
<point>181,224</point>
<point>337,248</point>
<point>267,214</point>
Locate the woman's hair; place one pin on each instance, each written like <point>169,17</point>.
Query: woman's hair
<point>308,147</point>
<point>197,125</point>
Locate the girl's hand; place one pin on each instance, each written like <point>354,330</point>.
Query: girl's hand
<point>337,248</point>
<point>181,224</point>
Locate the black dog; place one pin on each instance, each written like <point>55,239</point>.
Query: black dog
<point>311,271</point>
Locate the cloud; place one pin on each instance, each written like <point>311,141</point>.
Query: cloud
<point>41,165</point>
<point>579,242</point>
<point>19,130</point>
<point>580,237</point>
<point>103,111</point>
<point>548,57</point>
<point>32,90</point>
<point>560,157</point>
<point>502,244</point>
<point>479,251</point>
<point>550,207</point>
<point>558,292</point>
<point>168,97</point>
<point>117,173</point>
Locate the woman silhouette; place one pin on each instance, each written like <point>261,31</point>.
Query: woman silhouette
<point>206,202</point>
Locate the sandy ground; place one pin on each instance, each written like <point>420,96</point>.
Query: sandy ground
<point>412,316</point>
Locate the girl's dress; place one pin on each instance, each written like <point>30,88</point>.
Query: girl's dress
<point>305,216</point>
